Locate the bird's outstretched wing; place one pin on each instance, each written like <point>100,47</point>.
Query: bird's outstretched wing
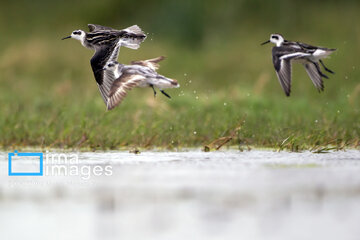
<point>283,72</point>
<point>314,75</point>
<point>120,87</point>
<point>282,63</point>
<point>96,27</point>
<point>150,63</point>
<point>104,79</point>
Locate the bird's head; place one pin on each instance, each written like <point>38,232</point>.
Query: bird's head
<point>275,38</point>
<point>78,35</point>
<point>111,66</point>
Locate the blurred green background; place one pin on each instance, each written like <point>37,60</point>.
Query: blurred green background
<point>49,97</point>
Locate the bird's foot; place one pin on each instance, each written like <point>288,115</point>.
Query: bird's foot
<point>154,90</point>
<point>326,69</point>
<point>323,75</point>
<point>162,91</point>
<point>319,71</point>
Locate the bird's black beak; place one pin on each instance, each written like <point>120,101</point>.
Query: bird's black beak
<point>265,42</point>
<point>66,38</point>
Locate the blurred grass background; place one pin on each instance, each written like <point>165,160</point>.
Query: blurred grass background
<point>49,97</point>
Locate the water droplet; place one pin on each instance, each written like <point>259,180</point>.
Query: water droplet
<point>181,93</point>
<point>189,81</point>
<point>194,91</point>
<point>316,121</point>
<point>197,97</point>
<point>225,103</point>
<point>195,132</point>
<point>248,95</point>
<point>346,77</point>
<point>338,111</point>
<point>185,74</point>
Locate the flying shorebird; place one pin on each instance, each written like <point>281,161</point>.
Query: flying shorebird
<point>287,51</point>
<point>106,42</point>
<point>120,78</point>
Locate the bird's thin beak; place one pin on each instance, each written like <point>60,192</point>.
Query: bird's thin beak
<point>265,42</point>
<point>66,38</point>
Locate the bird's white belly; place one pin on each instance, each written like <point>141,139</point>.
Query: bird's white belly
<point>160,83</point>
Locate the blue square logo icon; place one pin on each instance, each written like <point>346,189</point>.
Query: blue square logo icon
<point>23,156</point>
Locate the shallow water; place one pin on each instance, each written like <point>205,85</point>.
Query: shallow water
<point>178,195</point>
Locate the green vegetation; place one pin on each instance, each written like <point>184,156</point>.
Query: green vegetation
<point>48,96</point>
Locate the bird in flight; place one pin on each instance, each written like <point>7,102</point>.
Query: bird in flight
<point>285,52</point>
<point>106,42</point>
<point>120,78</point>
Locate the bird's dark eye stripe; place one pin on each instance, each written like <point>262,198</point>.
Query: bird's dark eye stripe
<point>275,37</point>
<point>77,33</point>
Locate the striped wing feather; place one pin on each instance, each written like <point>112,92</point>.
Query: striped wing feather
<point>284,76</point>
<point>150,63</point>
<point>105,86</point>
<point>96,27</point>
<point>314,76</point>
<point>120,87</point>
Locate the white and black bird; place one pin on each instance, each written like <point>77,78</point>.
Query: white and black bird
<point>120,78</point>
<point>287,51</point>
<point>106,42</point>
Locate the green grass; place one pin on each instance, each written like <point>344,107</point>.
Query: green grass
<point>49,98</point>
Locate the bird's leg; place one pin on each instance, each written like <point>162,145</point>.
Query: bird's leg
<point>318,69</point>
<point>326,69</point>
<point>320,72</point>
<point>153,90</point>
<point>162,91</point>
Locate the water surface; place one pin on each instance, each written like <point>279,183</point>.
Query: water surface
<point>193,195</point>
